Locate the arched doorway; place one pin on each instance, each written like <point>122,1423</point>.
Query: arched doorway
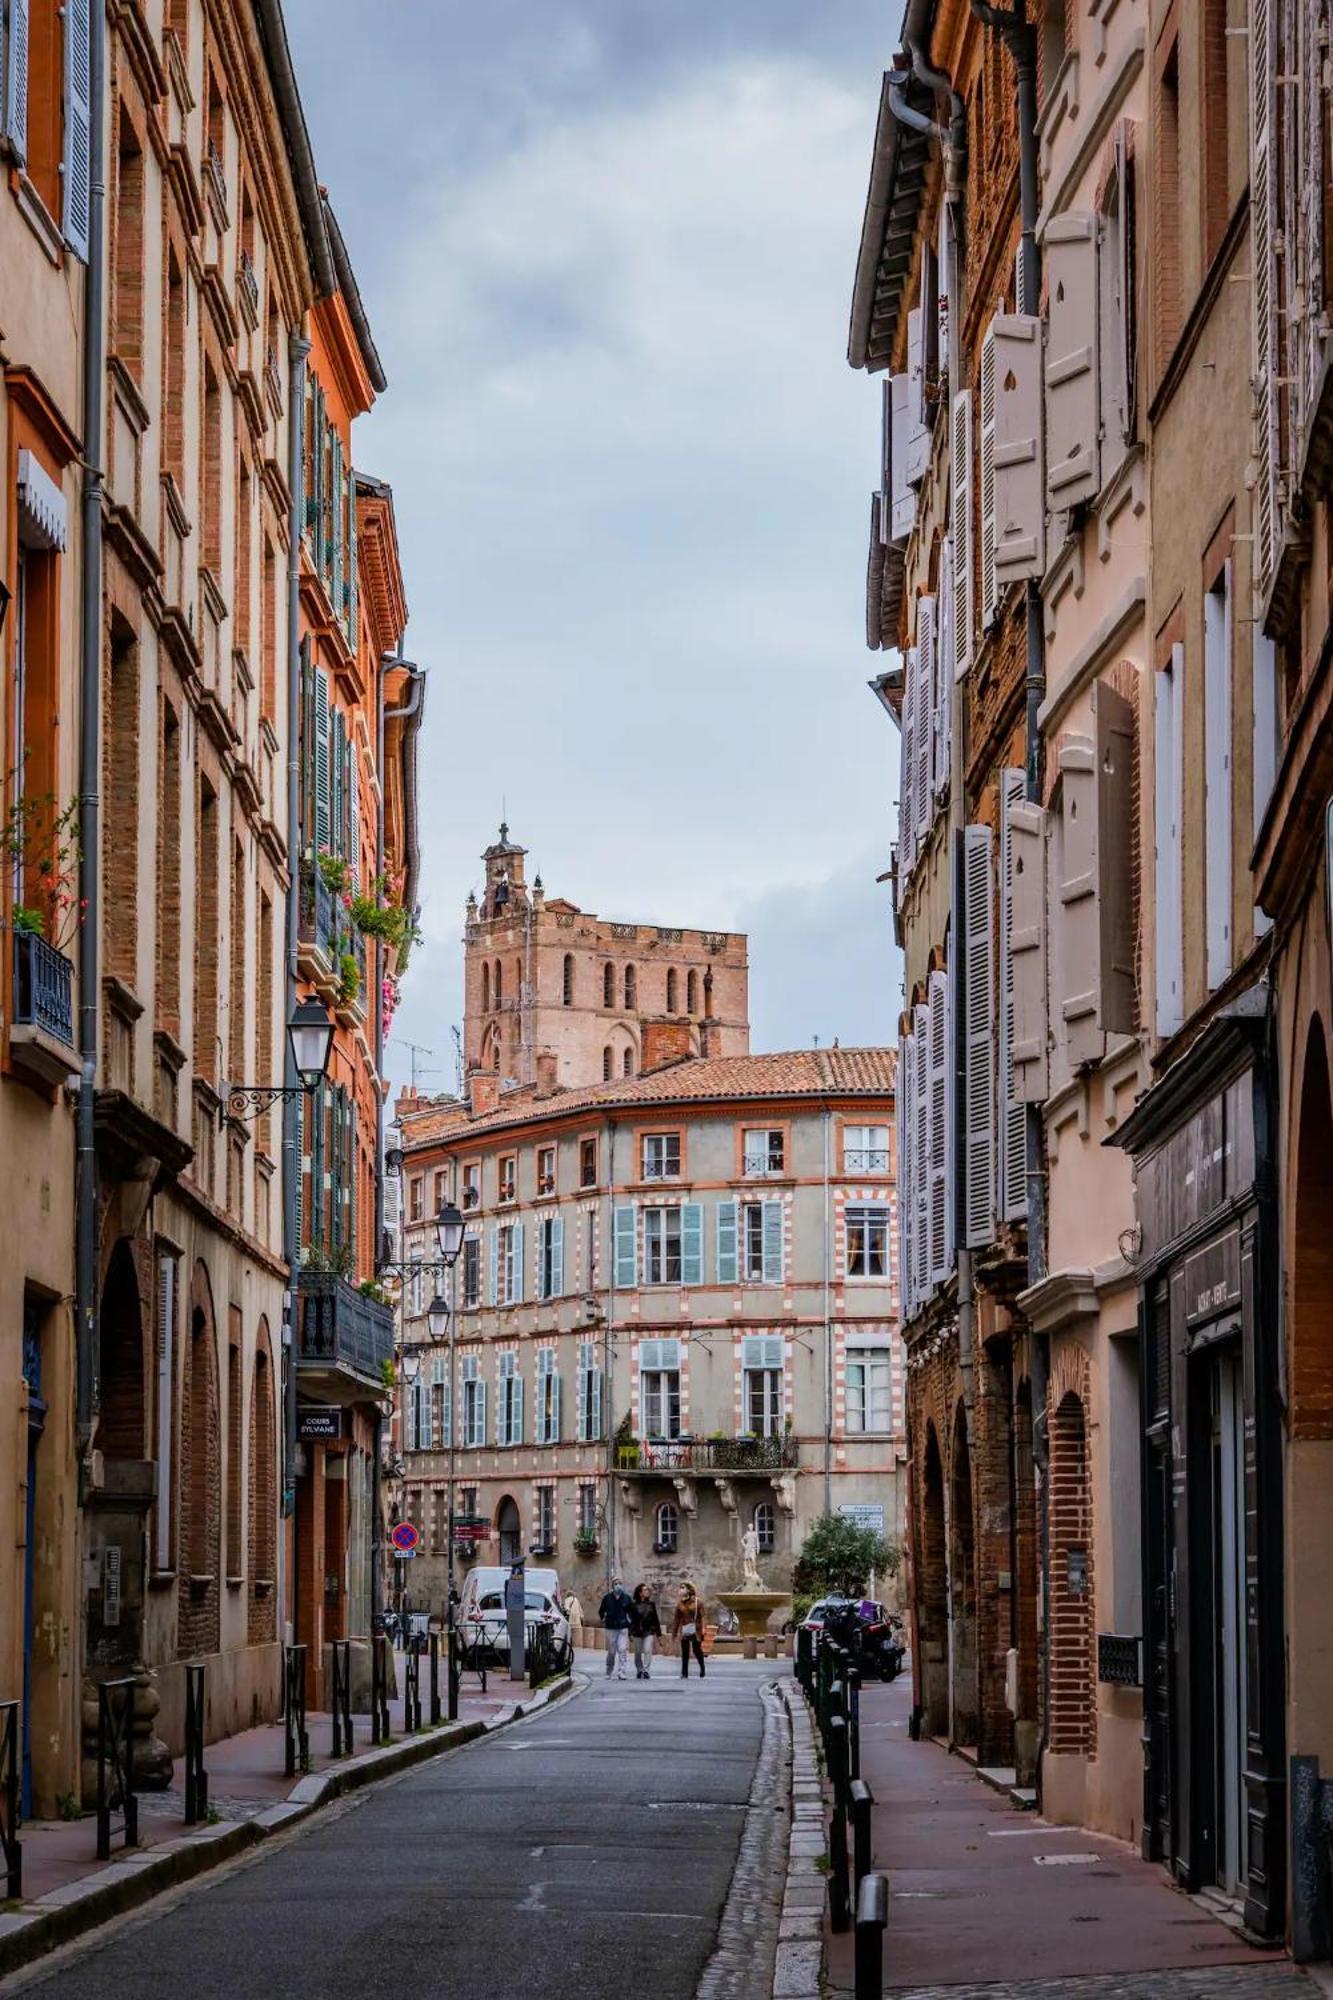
<point>200,1481</point>
<point>1310,1445</point>
<point>963,1588</point>
<point>121,1422</point>
<point>1027,1588</point>
<point>509,1527</point>
<point>933,1594</point>
<point>1073,1722</point>
<point>262,1554</point>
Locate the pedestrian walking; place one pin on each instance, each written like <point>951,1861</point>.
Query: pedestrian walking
<point>688,1627</point>
<point>617,1615</point>
<point>645,1630</point>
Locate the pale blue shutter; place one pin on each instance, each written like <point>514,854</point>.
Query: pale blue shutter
<point>447,1417</point>
<point>595,1419</point>
<point>555,1410</point>
<point>16,81</point>
<point>516,1289</point>
<point>481,1412</point>
<point>558,1257</point>
<point>772,1242</point>
<point>76,169</point>
<point>692,1243</point>
<point>626,1258</point>
<point>727,1265</point>
<point>321,760</point>
<point>584,1412</point>
<point>494,1295</point>
<point>516,1410</point>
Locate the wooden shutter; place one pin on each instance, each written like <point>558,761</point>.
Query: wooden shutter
<point>960,518</point>
<point>940,1131</point>
<point>1019,497</point>
<point>692,1243</point>
<point>1013,1112</point>
<point>337,495</point>
<point>728,1265</point>
<point>917,442</point>
<point>1072,421</point>
<point>595,1415</point>
<point>921,1147</point>
<point>323,830</point>
<point>945,279</point>
<point>1308,358</point>
<point>907,1172</point>
<point>516,1409</point>
<point>1217,777</point>
<point>978,1049</point>
<point>626,1248</point>
<point>927,703</point>
<point>1027,949</point>
<point>986,462</point>
<point>481,1427</point>
<point>554,1419</point>
<point>1168,784</point>
<point>772,1242</point>
<point>944,669</point>
<point>1114,736</point>
<point>912,721</point>
<point>557,1257</point>
<point>16,81</point>
<point>904,496</point>
<point>1080,928</point>
<point>76,170</point>
<point>516,1288</point>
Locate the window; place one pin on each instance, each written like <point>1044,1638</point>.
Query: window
<point>659,1388</point>
<point>442,1416</point>
<point>509,1177</point>
<point>865,1149</point>
<point>1168,787</point>
<point>127,323</point>
<point>761,1370</point>
<point>1117,334</point>
<point>867,1242</point>
<point>588,1510</point>
<point>472,1184</point>
<point>870,1390</point>
<point>1052,48</point>
<point>765,1153</point>
<point>548,1397</point>
<point>608,1065</point>
<point>416,1194</point>
<point>509,1408</point>
<point>628,1062</point>
<point>441,1189</point>
<point>546,1170</point>
<point>486,989</point>
<point>499,985</point>
<point>474,1415</point>
<point>765,1521</point>
<point>1167,276</point>
<point>419,1419</point>
<point>661,1156</point>
<point>588,1163</point>
<point>1217,772</point>
<point>545,1520</point>
<point>568,993</point>
<point>661,1246</point>
<point>509,1264</point>
<point>471,1273</point>
<point>550,1257</point>
<point>416,1289</point>
<point>609,986</point>
<point>590,1394</point>
<point>673,993</point>
<point>592,1262</point>
<point>631,989</point>
<point>761,1228</point>
<point>668,1529</point>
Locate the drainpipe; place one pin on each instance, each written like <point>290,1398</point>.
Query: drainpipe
<point>608,1377</point>
<point>828,1323</point>
<point>298,347</point>
<point>87,1331</point>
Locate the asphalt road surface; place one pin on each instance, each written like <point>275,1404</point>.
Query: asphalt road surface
<point>587,1852</point>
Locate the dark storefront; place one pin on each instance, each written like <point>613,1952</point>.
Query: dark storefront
<point>1202,1141</point>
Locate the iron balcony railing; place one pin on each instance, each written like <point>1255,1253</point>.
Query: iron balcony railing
<point>662,1170</point>
<point>338,1327</point>
<point>735,1454</point>
<point>248,281</point>
<point>43,987</point>
<point>319,913</point>
<point>863,1160</point>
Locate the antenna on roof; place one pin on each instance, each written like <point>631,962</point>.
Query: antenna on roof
<point>816,1041</point>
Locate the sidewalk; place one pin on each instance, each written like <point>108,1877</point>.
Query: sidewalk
<point>982,1895</point>
<point>67,1890</point>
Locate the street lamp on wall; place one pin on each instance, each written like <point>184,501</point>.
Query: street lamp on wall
<point>310,1039</point>
<point>437,1317</point>
<point>449,1231</point>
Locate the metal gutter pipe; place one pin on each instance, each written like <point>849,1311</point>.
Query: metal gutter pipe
<point>828,1322</point>
<point>298,347</point>
<point>87,1330</point>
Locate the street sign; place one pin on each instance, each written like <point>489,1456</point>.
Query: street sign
<point>406,1555</point>
<point>864,1517</point>
<point>317,1424</point>
<point>467,1536</point>
<point>481,1522</point>
<point>406,1538</point>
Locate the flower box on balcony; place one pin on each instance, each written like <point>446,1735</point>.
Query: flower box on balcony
<point>41,1038</point>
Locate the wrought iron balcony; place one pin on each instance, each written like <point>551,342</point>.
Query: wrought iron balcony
<point>735,1454</point>
<point>42,1035</point>
<point>319,925</point>
<point>340,1330</point>
<point>866,1160</point>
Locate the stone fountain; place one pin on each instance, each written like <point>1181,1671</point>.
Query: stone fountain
<point>752,1604</point>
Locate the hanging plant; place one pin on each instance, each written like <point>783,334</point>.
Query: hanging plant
<point>349,982</point>
<point>335,872</point>
<point>41,840</point>
<point>386,920</point>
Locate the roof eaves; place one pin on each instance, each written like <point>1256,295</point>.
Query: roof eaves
<point>888,229</point>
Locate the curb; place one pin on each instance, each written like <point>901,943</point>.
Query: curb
<point>29,1933</point>
<point>800,1963</point>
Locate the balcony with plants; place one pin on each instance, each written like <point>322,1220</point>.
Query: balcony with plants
<point>344,1331</point>
<point>41,845</point>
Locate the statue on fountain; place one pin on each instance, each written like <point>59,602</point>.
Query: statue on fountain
<point>751,1580</point>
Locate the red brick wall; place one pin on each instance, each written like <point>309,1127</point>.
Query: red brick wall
<point>200,1483</point>
<point>1073,1681</point>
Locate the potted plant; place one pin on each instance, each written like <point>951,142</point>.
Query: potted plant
<point>586,1543</point>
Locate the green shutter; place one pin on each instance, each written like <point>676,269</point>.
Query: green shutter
<point>728,1269</point>
<point>772,1242</point>
<point>352,594</point>
<point>322,830</point>
<point>317,1164</point>
<point>626,1249</point>
<point>692,1243</point>
<point>307,761</point>
<point>558,1257</point>
<point>516,1295</point>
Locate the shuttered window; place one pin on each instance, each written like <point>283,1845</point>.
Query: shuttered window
<point>989,587</point>
<point>1072,390</point>
<point>944,669</point>
<point>1078,901</point>
<point>903,495</point>
<point>76,169</point>
<point>728,1268</point>
<point>917,439</point>
<point>1115,735</point>
<point>1265,722</point>
<point>1263,251</point>
<point>590,1394</point>
<point>1027,950</point>
<point>907,1252</point>
<point>1217,773</point>
<point>978,1051</point>
<point>1168,790</point>
<point>1019,496</point>
<point>960,522</point>
<point>1013,1112</point>
<point>939,1125</point>
<point>626,1249</point>
<point>921,1150</point>
<point>15,54</point>
<point>923,786</point>
<point>907,848</point>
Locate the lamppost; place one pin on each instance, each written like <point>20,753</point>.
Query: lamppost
<point>310,1037</point>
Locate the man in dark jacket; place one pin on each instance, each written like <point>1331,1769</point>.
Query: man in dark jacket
<point>617,1615</point>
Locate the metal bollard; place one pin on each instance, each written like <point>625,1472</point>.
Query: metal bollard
<point>840,1898</point>
<point>435,1710</point>
<point>863,1839</point>
<point>115,1764</point>
<point>455,1670</point>
<point>196,1777</point>
<point>872,1919</point>
<point>854,1719</point>
<point>296,1741</point>
<point>379,1688</point>
<point>343,1742</point>
<point>11,1847</point>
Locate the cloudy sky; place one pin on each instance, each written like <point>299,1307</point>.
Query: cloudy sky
<point>606,247</point>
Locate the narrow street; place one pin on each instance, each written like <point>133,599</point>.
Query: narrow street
<point>548,1861</point>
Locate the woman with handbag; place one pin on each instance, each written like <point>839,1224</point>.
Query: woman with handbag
<point>688,1627</point>
<point>645,1631</point>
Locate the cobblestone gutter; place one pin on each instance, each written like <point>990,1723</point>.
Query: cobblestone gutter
<point>748,1941</point>
<point>801,1931</point>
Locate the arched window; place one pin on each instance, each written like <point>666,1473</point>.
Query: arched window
<point>673,994</point>
<point>518,978</point>
<point>569,979</point>
<point>486,989</point>
<point>495,1055</point>
<point>608,1065</point>
<point>766,1527</point>
<point>692,993</point>
<point>631,989</point>
<point>499,984</point>
<point>629,1062</point>
<point>609,986</point>
<point>263,1497</point>
<point>668,1529</point>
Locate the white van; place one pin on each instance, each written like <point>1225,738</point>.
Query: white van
<point>481,1610</point>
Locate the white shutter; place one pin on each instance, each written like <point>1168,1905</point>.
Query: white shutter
<point>1013,1112</point>
<point>907,844</point>
<point>516,1291</point>
<point>761,1350</point>
<point>904,1206</point>
<point>480,1438</point>
<point>907,1173</point>
<point>76,167</point>
<point>1027,947</point>
<point>771,1249</point>
<point>903,495</point>
<point>989,587</point>
<point>1072,417</point>
<point>921,1177</point>
<point>940,1197</point>
<point>1080,929</point>
<point>917,439</point>
<point>978,1050</point>
<point>1308,355</point>
<point>1168,787</point>
<point>1217,776</point>
<point>1019,496</point>
<point>16,80</point>
<point>1263,240</point>
<point>947,276</point>
<point>960,477</point>
<point>925,745</point>
<point>944,668</point>
<point>626,1248</point>
<point>1117,969</point>
<point>886,461</point>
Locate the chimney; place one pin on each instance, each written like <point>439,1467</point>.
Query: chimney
<point>484,1091</point>
<point>664,1042</point>
<point>407,1100</point>
<point>710,1038</point>
<point>548,1070</point>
